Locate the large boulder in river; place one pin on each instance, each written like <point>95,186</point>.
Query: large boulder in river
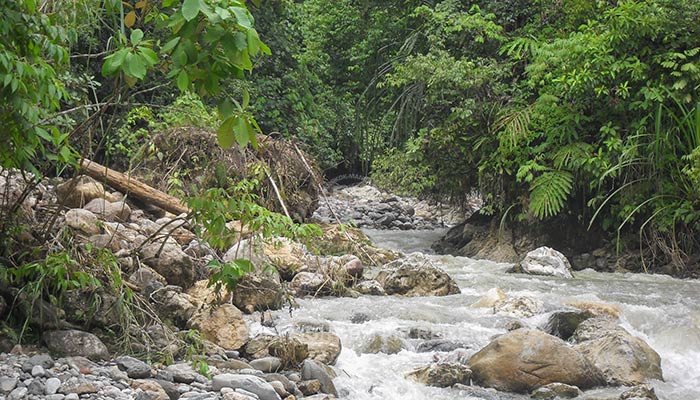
<point>416,276</point>
<point>624,359</point>
<point>546,261</point>
<point>223,325</point>
<point>524,360</point>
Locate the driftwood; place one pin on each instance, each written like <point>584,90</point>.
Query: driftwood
<point>129,185</point>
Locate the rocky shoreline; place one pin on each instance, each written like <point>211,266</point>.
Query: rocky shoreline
<point>199,343</point>
<point>365,206</point>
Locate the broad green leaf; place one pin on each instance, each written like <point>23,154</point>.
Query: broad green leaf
<point>136,36</point>
<point>135,66</point>
<point>225,109</point>
<point>170,45</point>
<point>225,135</point>
<point>253,42</point>
<point>149,55</point>
<point>183,81</point>
<point>242,17</point>
<point>113,62</point>
<point>242,130</point>
<point>190,9</point>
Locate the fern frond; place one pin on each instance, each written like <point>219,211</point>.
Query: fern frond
<point>572,156</point>
<point>514,126</point>
<point>548,193</point>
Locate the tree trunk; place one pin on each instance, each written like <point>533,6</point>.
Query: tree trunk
<point>130,186</point>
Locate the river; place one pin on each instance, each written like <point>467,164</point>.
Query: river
<point>662,310</point>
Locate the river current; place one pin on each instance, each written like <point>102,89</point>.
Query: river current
<point>663,311</point>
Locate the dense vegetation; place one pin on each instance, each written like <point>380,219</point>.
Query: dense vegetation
<point>573,111</point>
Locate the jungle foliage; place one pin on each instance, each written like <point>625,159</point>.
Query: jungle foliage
<point>568,110</point>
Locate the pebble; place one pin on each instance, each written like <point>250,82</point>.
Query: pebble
<point>38,371</point>
<point>52,385</point>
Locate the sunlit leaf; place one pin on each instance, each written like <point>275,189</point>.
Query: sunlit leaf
<point>130,19</point>
<point>190,9</point>
<point>225,133</point>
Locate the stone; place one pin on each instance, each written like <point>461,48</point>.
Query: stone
<point>79,191</point>
<point>623,359</point>
<point>441,345</point>
<point>291,351</point>
<point>598,309</point>
<point>174,306</point>
<point>492,296</point>
<point>267,364</point>
<point>441,374</point>
<point>310,387</point>
<point>387,344</point>
<point>76,343</point>
<point>289,386</point>
<point>171,262</point>
<point>223,325</point>
<point>524,360</point>
<point>19,393</point>
<point>82,220</point>
<point>135,368</point>
<point>250,383</point>
<point>519,306</point>
<point>44,360</point>
<point>311,369</point>
<point>287,256</point>
<point>563,324</point>
<point>36,388</point>
<point>108,211</point>
<point>311,283</point>
<point>279,388</point>
<point>8,384</point>
<point>38,371</point>
<point>145,276</point>
<point>258,291</point>
<point>151,388</point>
<point>415,276</point>
<point>370,287</point>
<point>324,347</point>
<point>52,385</point>
<point>182,373</point>
<point>556,391</point>
<point>546,261</point>
<point>639,392</point>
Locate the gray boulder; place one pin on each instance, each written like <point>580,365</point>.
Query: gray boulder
<point>171,262</point>
<point>416,276</point>
<point>311,369</point>
<point>76,343</point>
<point>624,359</point>
<point>250,383</point>
<point>546,261</point>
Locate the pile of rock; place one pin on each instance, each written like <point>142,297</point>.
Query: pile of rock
<point>366,206</point>
<point>40,376</point>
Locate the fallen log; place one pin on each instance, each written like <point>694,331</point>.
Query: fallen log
<point>132,187</point>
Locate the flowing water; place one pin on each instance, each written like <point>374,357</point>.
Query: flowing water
<point>663,311</point>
